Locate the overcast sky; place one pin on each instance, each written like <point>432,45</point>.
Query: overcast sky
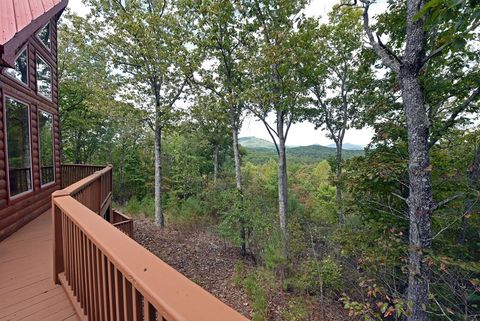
<point>301,134</point>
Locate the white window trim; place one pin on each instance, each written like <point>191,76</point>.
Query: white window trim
<point>39,56</point>
<point>40,148</point>
<point>5,71</point>
<point>6,146</point>
<point>50,35</point>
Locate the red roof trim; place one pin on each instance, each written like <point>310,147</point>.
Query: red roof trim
<point>23,24</point>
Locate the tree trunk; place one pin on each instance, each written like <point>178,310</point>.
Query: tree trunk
<point>420,199</point>
<point>473,180</point>
<point>238,176</point>
<point>282,183</point>
<point>236,151</point>
<point>159,220</point>
<point>338,174</point>
<point>215,163</point>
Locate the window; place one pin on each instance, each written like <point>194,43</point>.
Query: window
<point>44,78</point>
<point>44,36</point>
<point>20,72</point>
<point>45,132</point>
<point>18,146</point>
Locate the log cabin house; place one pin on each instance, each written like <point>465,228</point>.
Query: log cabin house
<point>64,253</point>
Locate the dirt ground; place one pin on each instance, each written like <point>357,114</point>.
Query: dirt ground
<point>210,262</point>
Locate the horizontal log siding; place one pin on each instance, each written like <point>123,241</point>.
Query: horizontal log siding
<point>19,211</point>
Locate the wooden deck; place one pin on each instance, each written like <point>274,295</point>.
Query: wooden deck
<point>27,290</point>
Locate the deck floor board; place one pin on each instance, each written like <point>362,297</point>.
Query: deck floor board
<point>27,291</point>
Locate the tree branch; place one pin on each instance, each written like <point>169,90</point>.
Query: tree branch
<point>389,61</point>
<point>451,120</point>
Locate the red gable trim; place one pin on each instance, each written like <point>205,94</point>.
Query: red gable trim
<point>19,19</point>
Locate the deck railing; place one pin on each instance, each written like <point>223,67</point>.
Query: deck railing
<point>109,276</point>
<point>122,222</point>
<point>72,173</point>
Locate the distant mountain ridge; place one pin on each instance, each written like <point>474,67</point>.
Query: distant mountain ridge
<point>261,150</point>
<point>349,146</point>
<point>255,142</point>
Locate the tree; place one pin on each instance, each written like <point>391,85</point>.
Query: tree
<point>212,125</point>
<point>275,85</point>
<point>222,35</point>
<point>339,77</point>
<point>421,34</point>
<point>148,42</point>
<point>87,93</point>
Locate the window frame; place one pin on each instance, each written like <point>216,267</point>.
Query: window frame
<point>7,163</point>
<point>24,48</point>
<point>49,35</point>
<point>39,56</point>
<point>40,148</point>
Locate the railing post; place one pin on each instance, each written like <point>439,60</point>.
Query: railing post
<point>57,239</point>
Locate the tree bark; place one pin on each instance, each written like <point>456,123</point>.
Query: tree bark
<point>236,151</point>
<point>338,174</point>
<point>234,121</point>
<point>420,199</point>
<point>282,183</point>
<point>159,220</point>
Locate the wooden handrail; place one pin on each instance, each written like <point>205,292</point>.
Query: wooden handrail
<point>71,173</point>
<point>122,222</point>
<point>109,276</point>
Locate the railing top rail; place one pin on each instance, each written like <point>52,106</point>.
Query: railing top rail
<point>172,294</point>
<point>75,187</point>
<point>85,165</point>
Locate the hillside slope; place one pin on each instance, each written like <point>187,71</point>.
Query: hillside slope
<point>260,151</point>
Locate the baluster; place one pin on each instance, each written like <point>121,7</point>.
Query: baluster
<point>100,288</point>
<point>136,305</point>
<point>57,243</point>
<point>111,290</point>
<point>119,294</point>
<point>148,311</point>
<point>127,300</point>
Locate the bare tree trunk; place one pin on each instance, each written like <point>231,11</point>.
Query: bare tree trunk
<point>236,151</point>
<point>338,174</point>
<point>159,220</point>
<point>215,164</point>
<point>282,183</point>
<point>234,123</point>
<point>420,199</point>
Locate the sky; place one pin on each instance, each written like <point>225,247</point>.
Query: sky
<point>301,134</point>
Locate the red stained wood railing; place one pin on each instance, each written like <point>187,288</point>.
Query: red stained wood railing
<point>122,222</point>
<point>72,173</point>
<point>109,276</point>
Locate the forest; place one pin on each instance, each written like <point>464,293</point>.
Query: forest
<point>160,90</point>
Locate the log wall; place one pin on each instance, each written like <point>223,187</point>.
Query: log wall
<point>16,212</point>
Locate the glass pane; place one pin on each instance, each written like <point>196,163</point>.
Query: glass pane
<point>21,68</point>
<point>18,144</point>
<point>44,35</point>
<point>46,147</point>
<point>44,78</point>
